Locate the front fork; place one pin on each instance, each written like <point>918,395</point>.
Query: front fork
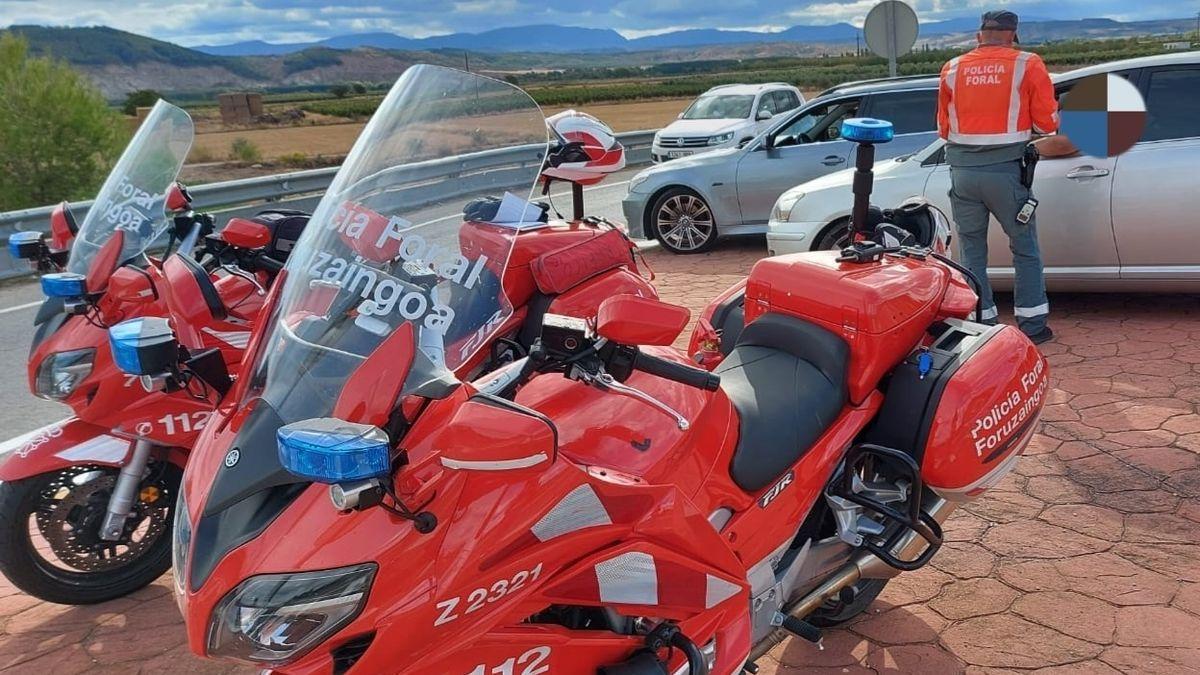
<point>126,490</point>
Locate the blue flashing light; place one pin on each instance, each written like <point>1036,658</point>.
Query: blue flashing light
<point>64,285</point>
<point>144,346</point>
<point>329,450</point>
<point>22,245</point>
<point>867,130</point>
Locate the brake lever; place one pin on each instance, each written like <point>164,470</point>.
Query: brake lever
<point>239,272</point>
<point>605,382</point>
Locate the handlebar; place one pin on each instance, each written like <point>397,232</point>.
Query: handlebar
<point>268,264</point>
<point>677,372</point>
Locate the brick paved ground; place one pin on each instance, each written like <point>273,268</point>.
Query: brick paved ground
<point>1084,561</point>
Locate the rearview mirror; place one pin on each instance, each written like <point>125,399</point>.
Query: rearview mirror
<point>129,284</point>
<point>764,115</point>
<point>246,234</point>
<point>490,434</point>
<point>633,320</point>
<point>178,198</point>
<point>62,226</point>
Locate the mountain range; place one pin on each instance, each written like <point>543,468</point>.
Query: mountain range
<point>119,62</point>
<point>553,39</point>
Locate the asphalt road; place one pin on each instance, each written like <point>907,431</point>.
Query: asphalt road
<point>21,411</point>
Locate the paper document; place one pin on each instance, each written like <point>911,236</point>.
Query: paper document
<point>517,213</point>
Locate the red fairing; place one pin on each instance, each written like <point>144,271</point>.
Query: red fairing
<point>58,445</point>
<point>105,263</point>
<point>371,390</point>
<point>986,416</point>
<point>881,309</point>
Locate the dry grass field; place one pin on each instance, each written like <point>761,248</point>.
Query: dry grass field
<point>331,137</point>
<point>334,139</point>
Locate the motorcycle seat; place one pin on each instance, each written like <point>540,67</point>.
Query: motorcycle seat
<point>786,378</point>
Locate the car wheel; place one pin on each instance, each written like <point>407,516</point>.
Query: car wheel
<point>834,237</point>
<point>683,222</point>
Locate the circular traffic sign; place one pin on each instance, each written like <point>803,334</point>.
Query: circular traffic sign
<point>1103,115</point>
<point>891,29</point>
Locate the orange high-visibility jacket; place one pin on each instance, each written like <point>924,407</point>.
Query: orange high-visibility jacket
<point>994,96</point>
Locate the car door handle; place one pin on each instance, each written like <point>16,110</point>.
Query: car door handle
<point>833,160</point>
<point>1086,172</point>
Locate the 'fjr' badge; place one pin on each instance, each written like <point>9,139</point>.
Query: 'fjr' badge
<point>776,489</point>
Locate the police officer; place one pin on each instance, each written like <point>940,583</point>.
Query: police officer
<point>991,101</point>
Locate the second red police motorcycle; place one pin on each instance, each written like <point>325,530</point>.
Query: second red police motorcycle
<point>600,505</point>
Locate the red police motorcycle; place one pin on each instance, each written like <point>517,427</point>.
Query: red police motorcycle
<point>599,505</point>
<point>90,497</point>
<point>88,500</point>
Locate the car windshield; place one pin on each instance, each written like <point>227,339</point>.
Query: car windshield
<point>133,197</point>
<point>389,246</point>
<point>720,107</point>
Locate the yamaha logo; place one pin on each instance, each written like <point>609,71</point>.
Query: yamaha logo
<point>232,457</point>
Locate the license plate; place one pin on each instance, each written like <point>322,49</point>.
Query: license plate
<point>676,154</point>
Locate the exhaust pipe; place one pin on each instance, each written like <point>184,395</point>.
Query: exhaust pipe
<point>865,566</point>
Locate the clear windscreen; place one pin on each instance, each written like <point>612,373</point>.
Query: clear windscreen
<point>406,234</point>
<point>134,196</point>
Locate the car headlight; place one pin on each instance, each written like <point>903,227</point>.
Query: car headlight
<point>720,138</point>
<point>181,539</point>
<point>60,373</point>
<point>274,619</point>
<point>636,181</point>
<point>784,205</point>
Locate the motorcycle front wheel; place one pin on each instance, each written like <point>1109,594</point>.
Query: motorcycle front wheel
<point>50,545</point>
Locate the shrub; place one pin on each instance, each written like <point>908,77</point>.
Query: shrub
<point>244,150</point>
<point>58,137</point>
<point>294,159</point>
<point>201,154</point>
<point>142,98</point>
<point>340,90</point>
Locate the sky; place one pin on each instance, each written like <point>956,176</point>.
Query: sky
<point>196,22</point>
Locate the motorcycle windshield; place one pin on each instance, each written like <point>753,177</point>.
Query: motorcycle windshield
<point>405,237</point>
<point>134,196</point>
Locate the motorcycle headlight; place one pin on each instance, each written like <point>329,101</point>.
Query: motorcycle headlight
<point>60,373</point>
<point>274,619</point>
<point>720,138</point>
<point>784,205</point>
<point>181,539</point>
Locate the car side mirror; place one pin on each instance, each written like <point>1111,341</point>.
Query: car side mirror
<point>764,115</point>
<point>246,234</point>
<point>679,116</point>
<point>487,434</point>
<point>634,320</point>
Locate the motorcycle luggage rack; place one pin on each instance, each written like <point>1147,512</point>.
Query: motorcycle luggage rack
<point>915,519</point>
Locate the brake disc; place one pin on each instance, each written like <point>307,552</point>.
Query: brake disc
<point>71,509</point>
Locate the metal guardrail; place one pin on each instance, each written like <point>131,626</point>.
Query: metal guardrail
<point>296,190</point>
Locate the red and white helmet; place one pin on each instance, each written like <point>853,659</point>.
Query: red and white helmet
<point>586,149</point>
